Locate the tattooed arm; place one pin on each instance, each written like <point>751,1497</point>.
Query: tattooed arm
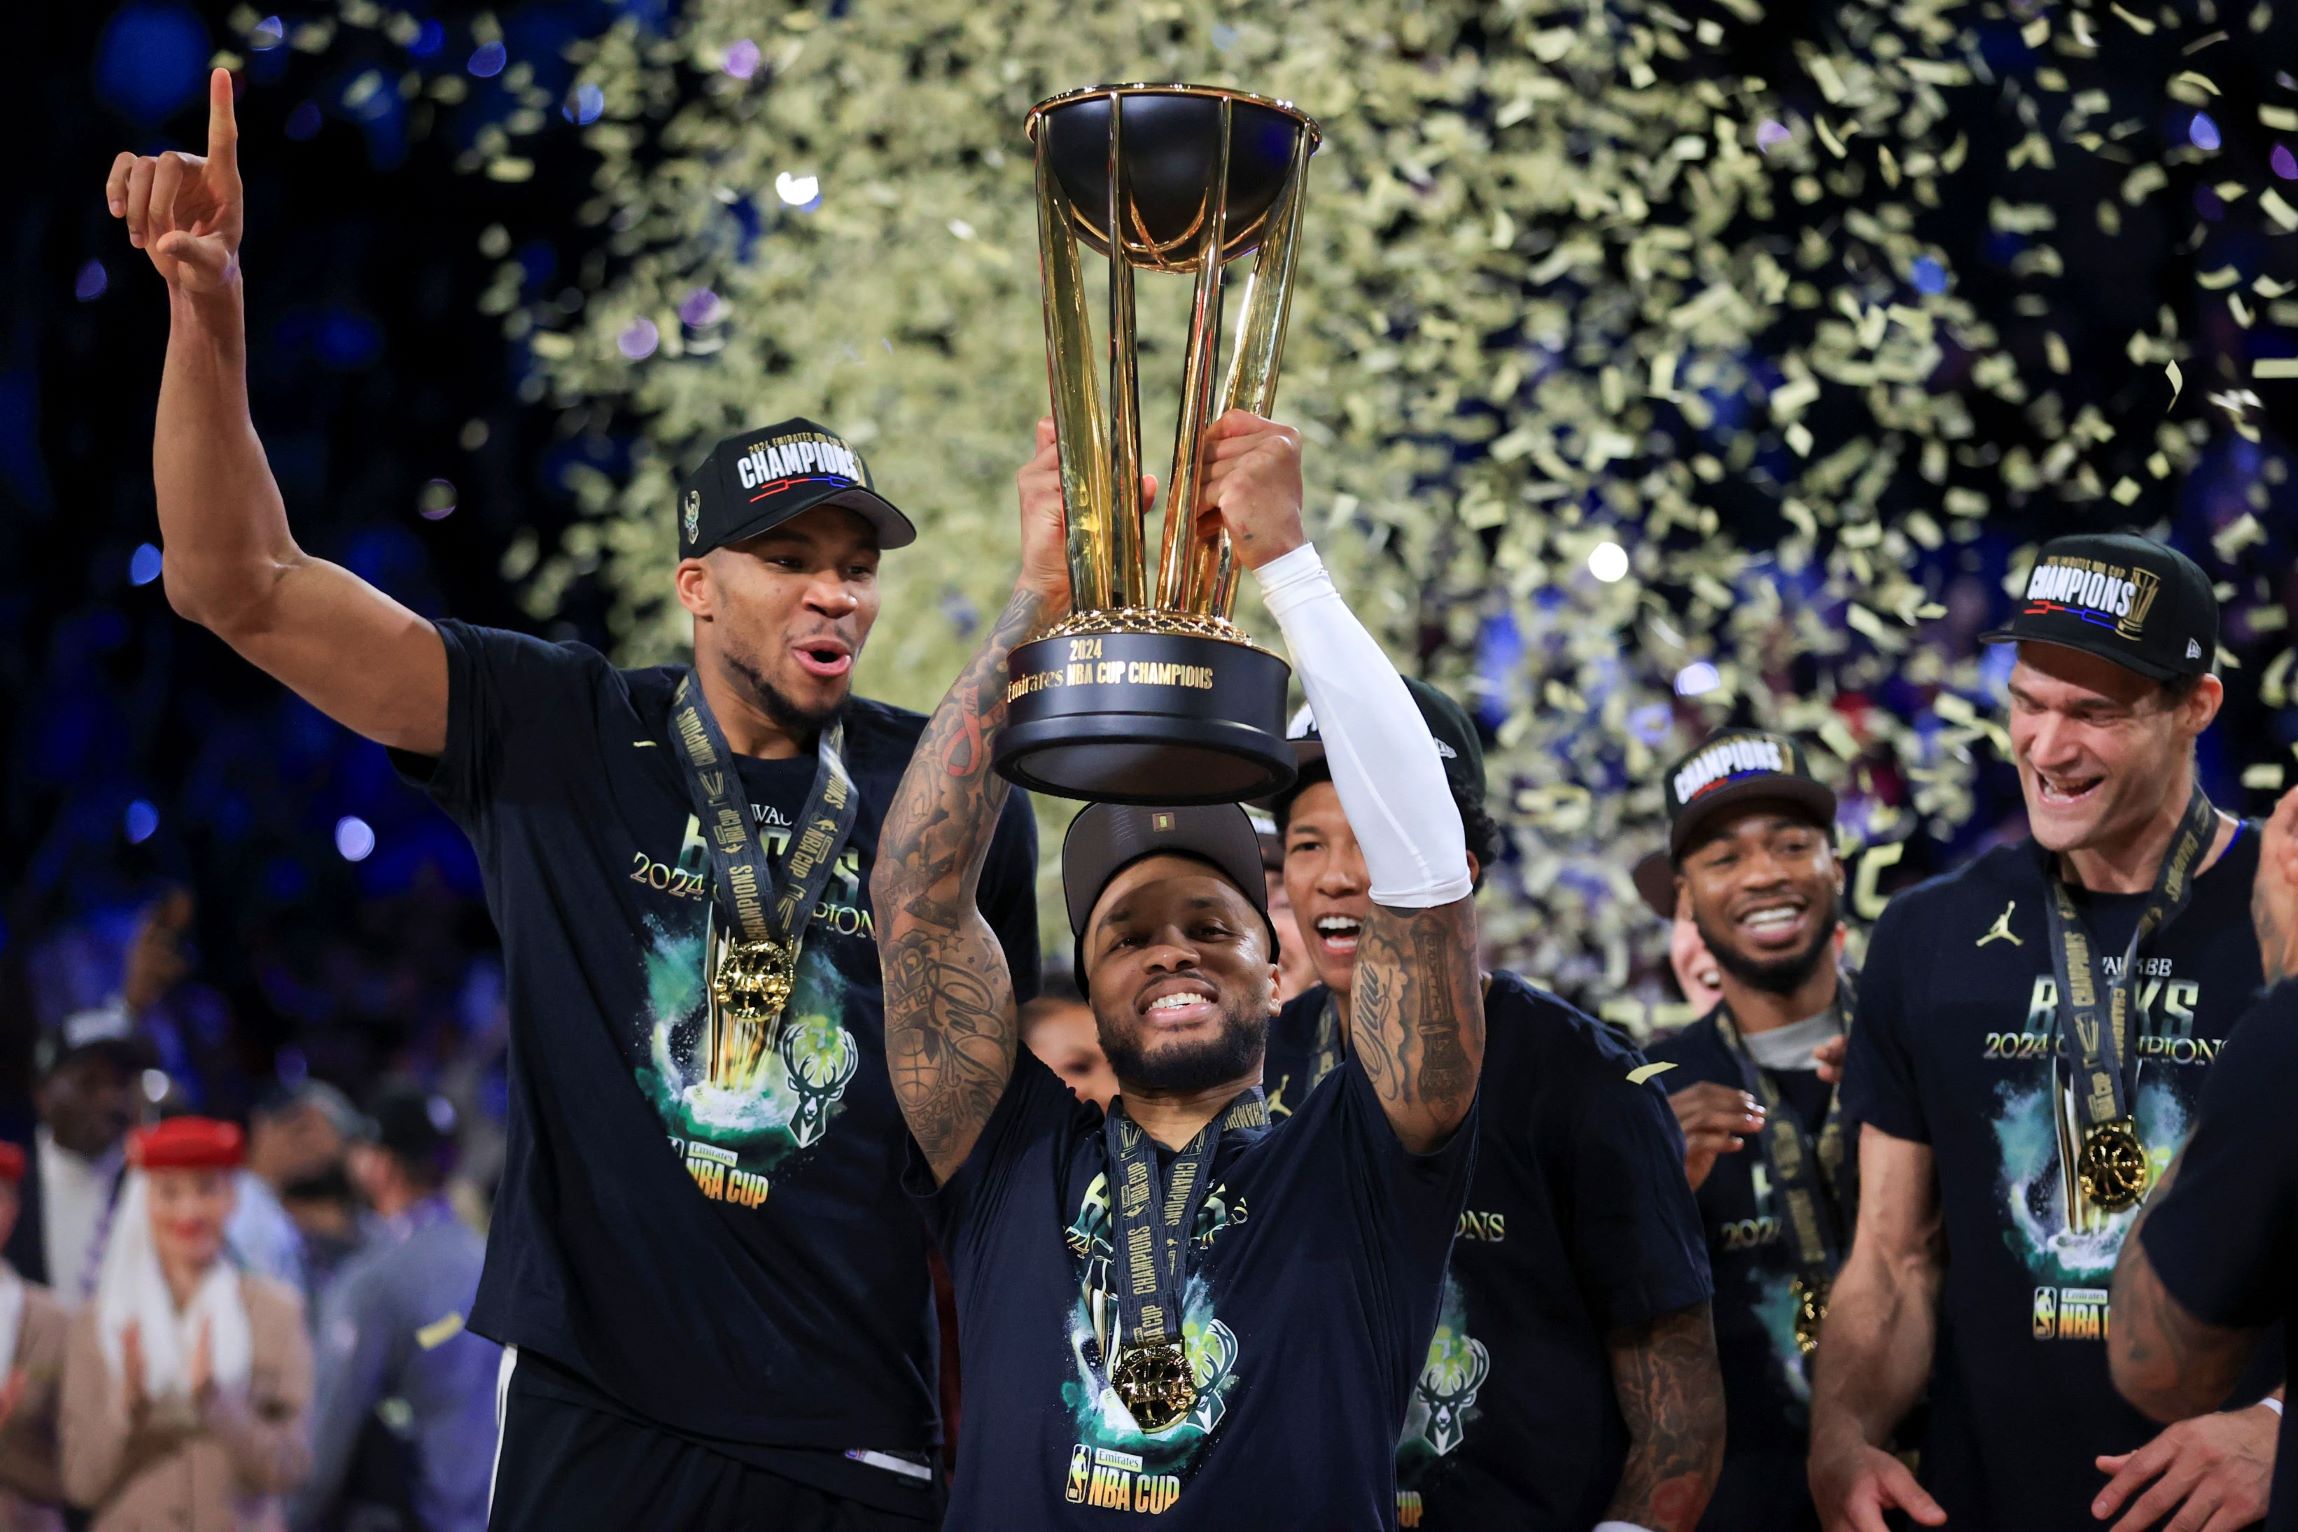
<point>1416,1017</point>
<point>2164,1360</point>
<point>1670,1389</point>
<point>1416,1005</point>
<point>951,1024</point>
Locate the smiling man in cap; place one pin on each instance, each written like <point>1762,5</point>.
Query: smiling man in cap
<point>676,858</point>
<point>1176,1308</point>
<point>1751,849</point>
<point>2033,1035</point>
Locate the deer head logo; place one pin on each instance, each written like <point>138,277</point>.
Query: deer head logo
<point>1212,1353</point>
<point>1457,1367</point>
<point>819,1057</point>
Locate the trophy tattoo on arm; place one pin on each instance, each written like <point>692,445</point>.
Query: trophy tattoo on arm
<point>1416,1021</point>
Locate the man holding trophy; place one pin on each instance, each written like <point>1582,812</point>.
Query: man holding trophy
<point>1177,1308</point>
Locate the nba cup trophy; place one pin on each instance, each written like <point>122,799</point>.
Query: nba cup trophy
<point>1147,693</point>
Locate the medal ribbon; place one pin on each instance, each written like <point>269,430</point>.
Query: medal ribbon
<point>737,856</point>
<point>2095,1009</point>
<point>1154,1216</point>
<point>1809,1174</point>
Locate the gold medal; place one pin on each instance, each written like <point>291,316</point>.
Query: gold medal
<point>1810,1312</point>
<point>2113,1167</point>
<point>754,980</point>
<point>1155,1382</point>
<point>748,991</point>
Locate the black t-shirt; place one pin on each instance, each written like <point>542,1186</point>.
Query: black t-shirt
<point>2224,1236</point>
<point>1957,1046</point>
<point>1319,1260</point>
<point>732,1259</point>
<point>1579,1222</point>
<point>1767,1386</point>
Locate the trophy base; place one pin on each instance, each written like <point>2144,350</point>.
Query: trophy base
<point>1146,718</point>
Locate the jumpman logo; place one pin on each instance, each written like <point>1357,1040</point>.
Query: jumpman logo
<point>2000,931</point>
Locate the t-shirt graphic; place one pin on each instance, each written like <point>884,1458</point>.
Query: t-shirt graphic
<point>1444,1396</point>
<point>1315,1267</point>
<point>1578,1222</point>
<point>1106,1429</point>
<point>703,1223</point>
<point>738,1098</point>
<point>1957,1046</point>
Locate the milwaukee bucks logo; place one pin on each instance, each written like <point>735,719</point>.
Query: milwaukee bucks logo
<point>820,1058</point>
<point>1457,1367</point>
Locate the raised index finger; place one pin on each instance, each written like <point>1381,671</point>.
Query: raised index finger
<point>222,121</point>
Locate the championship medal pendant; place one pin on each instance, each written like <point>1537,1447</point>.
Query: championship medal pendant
<point>2113,1168</point>
<point>1155,1383</point>
<point>754,980</point>
<point>1810,1310</point>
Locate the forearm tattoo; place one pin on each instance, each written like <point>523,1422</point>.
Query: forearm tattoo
<point>2167,1362</point>
<point>1416,1015</point>
<point>1670,1389</point>
<point>951,1028</point>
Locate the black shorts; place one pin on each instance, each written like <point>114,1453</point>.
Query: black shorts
<point>565,1464</point>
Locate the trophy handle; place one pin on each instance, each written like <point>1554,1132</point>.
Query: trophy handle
<point>1207,580</point>
<point>1180,583</point>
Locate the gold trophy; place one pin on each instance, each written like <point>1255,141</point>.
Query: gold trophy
<point>1148,693</point>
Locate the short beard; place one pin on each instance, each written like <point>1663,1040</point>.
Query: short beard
<point>1780,975</point>
<point>777,705</point>
<point>1237,1051</point>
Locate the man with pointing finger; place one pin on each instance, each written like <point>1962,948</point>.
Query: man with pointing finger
<point>712,1292</point>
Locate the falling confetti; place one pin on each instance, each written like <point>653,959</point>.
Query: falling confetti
<point>1638,394</point>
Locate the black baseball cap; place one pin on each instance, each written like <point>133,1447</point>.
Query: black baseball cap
<point>412,1123</point>
<point>1725,771</point>
<point>106,1030</point>
<point>2142,604</point>
<point>756,480</point>
<point>1106,838</point>
<point>1448,724</point>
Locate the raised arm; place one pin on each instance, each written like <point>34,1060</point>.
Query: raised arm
<point>231,564</point>
<point>1416,1018</point>
<point>951,1022</point>
<point>1875,1349</point>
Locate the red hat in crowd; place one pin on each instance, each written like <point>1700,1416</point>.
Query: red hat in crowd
<point>188,1143</point>
<point>11,1164</point>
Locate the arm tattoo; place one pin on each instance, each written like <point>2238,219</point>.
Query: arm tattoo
<point>1416,1017</point>
<point>2164,1360</point>
<point>1670,1389</point>
<point>951,1028</point>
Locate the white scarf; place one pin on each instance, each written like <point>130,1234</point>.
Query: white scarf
<point>11,1316</point>
<point>130,1286</point>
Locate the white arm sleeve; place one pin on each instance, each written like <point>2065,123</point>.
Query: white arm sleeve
<point>1383,759</point>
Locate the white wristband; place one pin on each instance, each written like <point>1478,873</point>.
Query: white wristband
<point>2272,1403</point>
<point>1383,760</point>
<point>1621,1526</point>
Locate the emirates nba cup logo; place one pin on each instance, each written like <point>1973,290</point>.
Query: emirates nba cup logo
<point>2144,586</point>
<point>693,514</point>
